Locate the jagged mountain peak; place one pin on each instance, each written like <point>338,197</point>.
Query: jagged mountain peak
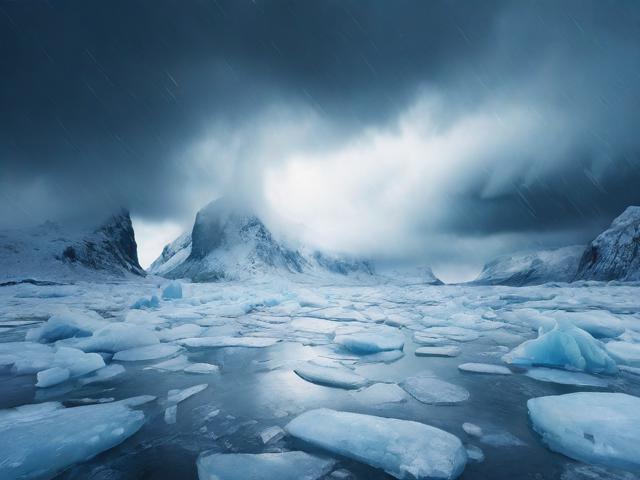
<point>615,253</point>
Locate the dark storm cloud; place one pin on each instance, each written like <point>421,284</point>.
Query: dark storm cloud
<point>100,100</point>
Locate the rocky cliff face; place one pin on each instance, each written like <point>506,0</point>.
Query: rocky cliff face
<point>55,252</point>
<point>615,253</point>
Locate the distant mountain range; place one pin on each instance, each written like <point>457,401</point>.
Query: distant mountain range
<point>612,255</point>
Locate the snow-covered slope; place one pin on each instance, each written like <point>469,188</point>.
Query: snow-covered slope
<point>532,268</point>
<point>615,253</point>
<point>230,242</point>
<point>51,252</point>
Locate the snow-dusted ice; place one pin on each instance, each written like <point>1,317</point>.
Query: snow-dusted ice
<point>403,449</point>
<point>333,376</point>
<point>484,368</point>
<point>601,428</point>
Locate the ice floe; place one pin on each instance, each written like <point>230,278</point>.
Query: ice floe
<point>484,368</point>
<point>402,448</point>
<point>593,427</point>
<point>449,351</point>
<point>331,376</point>
<point>427,389</point>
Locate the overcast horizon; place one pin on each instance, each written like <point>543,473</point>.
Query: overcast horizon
<point>441,133</point>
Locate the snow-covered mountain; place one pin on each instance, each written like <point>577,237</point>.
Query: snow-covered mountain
<point>532,268</point>
<point>615,253</point>
<point>230,242</point>
<point>52,252</point>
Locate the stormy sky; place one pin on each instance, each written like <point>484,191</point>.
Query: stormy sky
<point>408,131</point>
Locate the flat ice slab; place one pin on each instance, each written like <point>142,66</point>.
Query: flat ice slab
<point>371,342</point>
<point>402,448</point>
<point>563,377</point>
<point>37,441</point>
<point>484,368</point>
<point>433,391</point>
<point>150,352</point>
<point>251,342</point>
<point>450,351</point>
<point>339,377</point>
<point>247,466</point>
<point>600,428</point>
<point>381,394</point>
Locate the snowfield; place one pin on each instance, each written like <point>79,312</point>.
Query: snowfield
<point>358,378</point>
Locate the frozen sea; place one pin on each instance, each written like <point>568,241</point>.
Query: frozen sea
<point>259,333</point>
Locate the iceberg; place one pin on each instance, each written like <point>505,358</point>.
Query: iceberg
<point>592,427</point>
<point>565,346</point>
<point>599,323</point>
<point>402,448</point>
<point>72,435</point>
<point>338,377</point>
<point>146,303</point>
<point>433,391</point>
<point>248,466</point>
<point>66,325</point>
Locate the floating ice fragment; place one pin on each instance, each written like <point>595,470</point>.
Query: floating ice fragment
<point>247,466</point>
<point>475,453</point>
<point>143,303</point>
<point>149,352</point>
<point>66,325</point>
<point>72,435</point>
<point>450,351</point>
<point>600,428</point>
<point>402,448</point>
<point>118,336</point>
<point>380,394</point>
<point>202,368</point>
<point>104,374</point>
<point>371,342</point>
<point>171,414</point>
<point>484,368</point>
<point>177,395</point>
<point>566,378</point>
<point>272,434</point>
<point>52,376</point>
<point>338,377</point>
<point>472,429</point>
<point>250,342</point>
<point>427,389</point>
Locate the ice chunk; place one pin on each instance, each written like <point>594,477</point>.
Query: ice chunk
<point>402,448</point>
<point>381,394</point>
<point>149,352</point>
<point>142,303</point>
<point>172,291</point>
<point>472,429</point>
<point>171,414</point>
<point>201,368</point>
<point>38,441</point>
<point>502,439</point>
<point>272,434</point>
<point>566,378</point>
<point>176,396</point>
<point>427,389</point>
<point>187,330</point>
<point>598,428</point>
<point>66,325</point>
<point>76,361</point>
<point>451,332</point>
<point>251,342</point>
<point>339,377</point>
<point>474,453</point>
<point>484,368</point>
<point>103,375</point>
<point>371,342</point>
<point>173,365</point>
<point>52,376</point>
<point>566,347</point>
<point>450,351</point>
<point>625,352</point>
<point>116,337</point>
<point>247,466</point>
